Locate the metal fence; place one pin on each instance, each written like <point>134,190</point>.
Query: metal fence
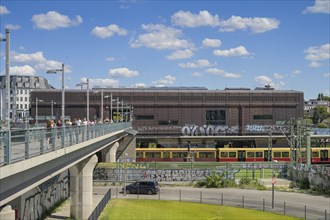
<point>262,204</point>
<point>22,144</point>
<point>99,208</point>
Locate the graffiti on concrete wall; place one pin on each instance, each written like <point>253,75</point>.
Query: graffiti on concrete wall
<point>162,175</point>
<point>42,198</point>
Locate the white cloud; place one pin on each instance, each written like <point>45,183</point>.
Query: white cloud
<point>317,54</point>
<point>223,73</point>
<point>238,51</point>
<point>296,72</point>
<point>13,26</point>
<point>256,25</point>
<point>167,80</point>
<point>108,31</point>
<point>53,20</point>
<point>197,64</point>
<point>326,74</point>
<point>264,80</point>
<point>211,42</point>
<point>110,59</point>
<point>160,37</point>
<point>22,70</point>
<point>101,82</point>
<point>180,54</point>
<point>139,85</point>
<point>51,65</point>
<point>36,57</point>
<point>278,76</point>
<point>4,10</point>
<point>188,19</point>
<point>122,72</point>
<point>320,6</point>
<point>197,74</point>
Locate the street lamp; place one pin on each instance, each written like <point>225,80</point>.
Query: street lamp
<point>273,182</point>
<point>7,39</point>
<point>37,101</point>
<point>81,84</point>
<point>54,71</point>
<point>117,109</point>
<point>125,169</point>
<point>122,111</point>
<point>52,109</point>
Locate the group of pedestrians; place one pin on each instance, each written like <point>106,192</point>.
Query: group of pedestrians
<point>76,123</point>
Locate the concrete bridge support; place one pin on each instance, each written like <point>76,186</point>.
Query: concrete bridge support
<point>109,153</point>
<point>7,213</point>
<point>81,188</point>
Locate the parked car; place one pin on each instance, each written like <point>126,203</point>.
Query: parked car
<point>143,187</point>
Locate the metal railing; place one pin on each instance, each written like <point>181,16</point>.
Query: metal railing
<point>99,208</point>
<point>225,199</point>
<point>22,144</point>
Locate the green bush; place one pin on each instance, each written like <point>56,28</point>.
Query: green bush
<point>216,180</point>
<point>303,183</point>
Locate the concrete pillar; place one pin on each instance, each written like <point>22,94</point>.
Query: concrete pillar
<point>109,155</point>
<point>113,151</point>
<point>7,213</point>
<point>81,188</point>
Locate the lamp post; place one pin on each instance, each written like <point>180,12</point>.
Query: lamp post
<point>125,169</point>
<point>52,109</point>
<point>7,39</point>
<point>54,71</point>
<point>122,111</point>
<point>117,109</point>
<point>81,84</point>
<point>37,101</point>
<point>273,182</point>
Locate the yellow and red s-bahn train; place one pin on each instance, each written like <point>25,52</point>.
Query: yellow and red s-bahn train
<point>318,155</point>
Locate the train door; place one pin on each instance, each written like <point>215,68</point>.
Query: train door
<point>266,156</point>
<point>241,155</point>
<point>324,155</point>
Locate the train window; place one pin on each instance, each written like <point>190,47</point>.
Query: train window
<point>152,154</point>
<point>303,154</point>
<point>223,154</point>
<point>232,154</point>
<point>259,154</point>
<point>285,154</point>
<point>250,154</point>
<point>166,154</point>
<point>316,154</point>
<point>206,155</point>
<point>139,154</point>
<point>179,154</point>
<point>277,154</point>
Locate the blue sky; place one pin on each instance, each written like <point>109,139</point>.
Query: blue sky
<point>213,44</point>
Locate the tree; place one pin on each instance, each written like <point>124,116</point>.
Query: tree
<point>321,97</point>
<point>319,114</point>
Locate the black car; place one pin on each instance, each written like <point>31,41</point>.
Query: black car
<point>143,187</point>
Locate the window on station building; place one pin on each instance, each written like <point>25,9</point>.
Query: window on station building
<point>262,117</point>
<point>216,117</point>
<point>144,117</point>
<point>170,122</point>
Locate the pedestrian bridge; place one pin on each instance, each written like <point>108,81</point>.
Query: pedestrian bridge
<point>29,157</point>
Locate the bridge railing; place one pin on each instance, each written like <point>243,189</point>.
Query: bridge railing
<point>22,144</point>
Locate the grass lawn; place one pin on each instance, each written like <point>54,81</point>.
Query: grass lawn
<point>160,209</point>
